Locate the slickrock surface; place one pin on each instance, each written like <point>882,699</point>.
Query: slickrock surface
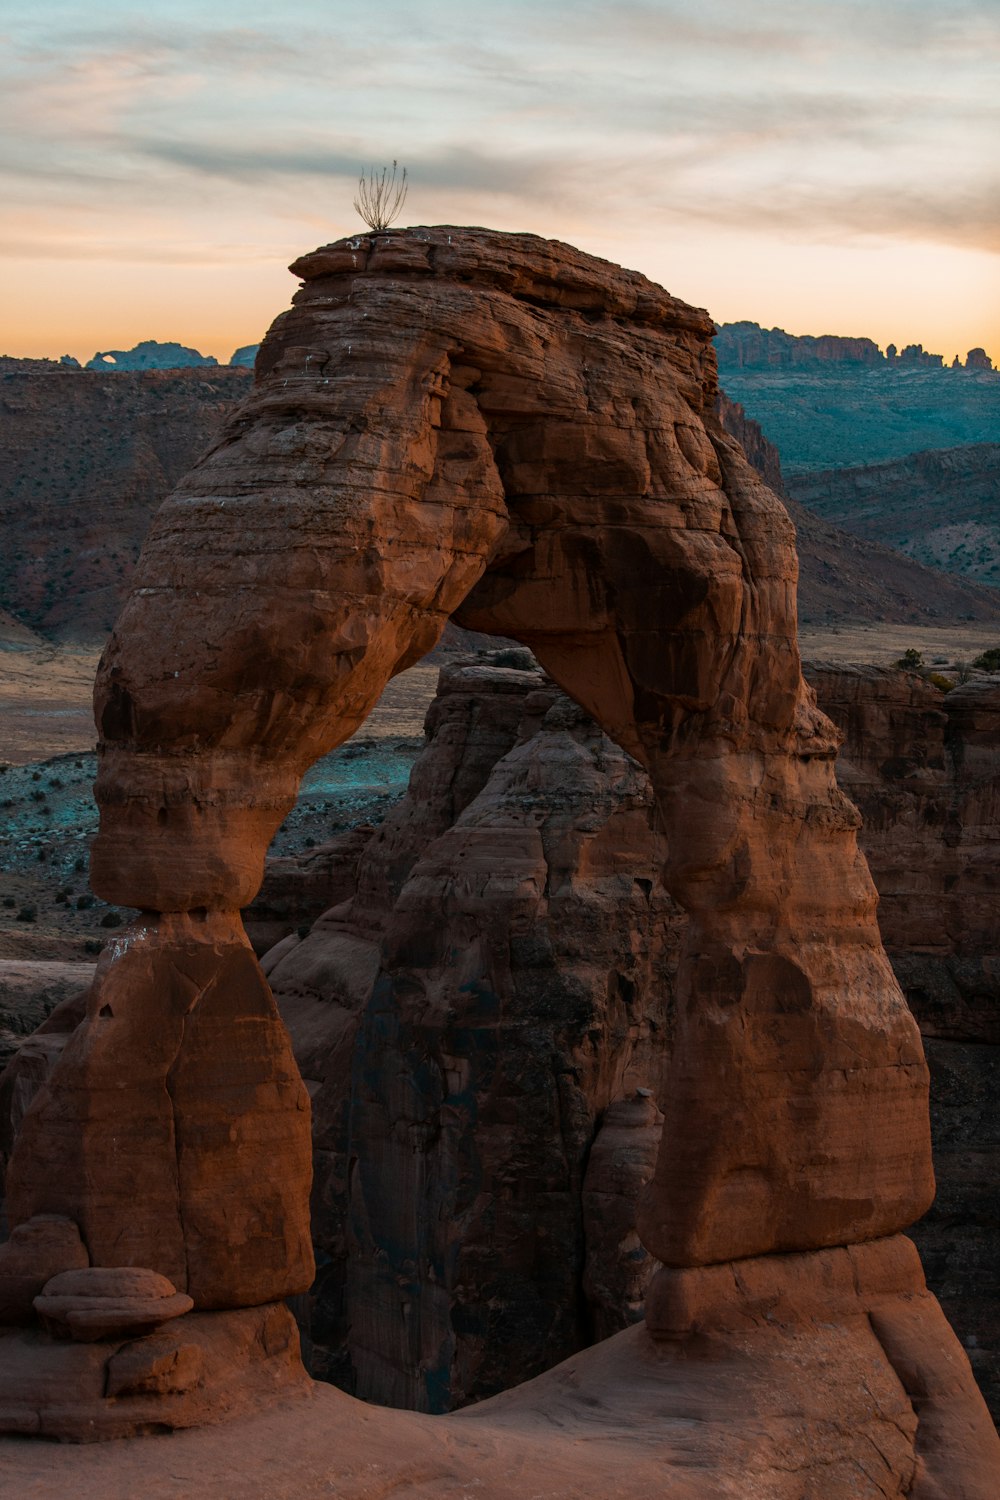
<point>501,982</point>
<point>810,1385</point>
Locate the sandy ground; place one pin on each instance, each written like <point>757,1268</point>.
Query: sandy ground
<point>45,703</point>
<point>879,645</point>
<point>45,694</point>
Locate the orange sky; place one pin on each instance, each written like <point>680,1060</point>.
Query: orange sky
<point>826,167</point>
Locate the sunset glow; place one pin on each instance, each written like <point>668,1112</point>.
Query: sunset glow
<point>821,166</point>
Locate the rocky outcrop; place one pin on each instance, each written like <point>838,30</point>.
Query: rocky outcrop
<point>748,346</point>
<point>924,768</point>
<point>455,422</point>
<point>85,462</point>
<point>150,355</point>
<point>842,577</point>
<point>838,415</point>
<point>481,1029</point>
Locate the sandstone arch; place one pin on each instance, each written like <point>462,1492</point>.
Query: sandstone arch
<point>504,431</point>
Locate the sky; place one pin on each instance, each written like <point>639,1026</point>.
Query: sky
<point>825,166</point>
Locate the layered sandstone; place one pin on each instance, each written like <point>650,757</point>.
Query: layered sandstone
<point>454,422</point>
<point>924,768</point>
<point>378,472</point>
<point>475,1028</point>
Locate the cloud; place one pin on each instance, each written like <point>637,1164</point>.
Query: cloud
<point>823,118</point>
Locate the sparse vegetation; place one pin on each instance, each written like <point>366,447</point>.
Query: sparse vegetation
<point>381,197</point>
<point>910,661</point>
<point>988,661</point>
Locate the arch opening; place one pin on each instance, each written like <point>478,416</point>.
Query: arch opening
<point>514,435</point>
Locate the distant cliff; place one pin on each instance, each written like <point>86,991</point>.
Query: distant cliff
<point>747,346</point>
<point>941,508</point>
<point>84,462</point>
<point>85,459</point>
<point>149,355</point>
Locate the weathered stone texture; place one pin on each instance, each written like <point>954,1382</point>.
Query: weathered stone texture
<point>500,429</point>
<point>500,984</point>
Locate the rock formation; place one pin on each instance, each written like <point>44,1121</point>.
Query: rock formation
<point>748,346</point>
<point>150,355</point>
<point>499,987</point>
<point>941,508</point>
<point>455,422</point>
<point>924,769</point>
<point>830,415</point>
<point>85,462</point>
<point>842,577</point>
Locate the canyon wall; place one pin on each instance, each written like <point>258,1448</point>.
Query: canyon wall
<point>86,462</point>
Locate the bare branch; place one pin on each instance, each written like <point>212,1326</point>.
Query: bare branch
<point>380,198</point>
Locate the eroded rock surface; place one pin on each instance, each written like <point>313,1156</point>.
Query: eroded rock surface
<point>501,429</point>
<point>500,985</point>
<point>924,768</point>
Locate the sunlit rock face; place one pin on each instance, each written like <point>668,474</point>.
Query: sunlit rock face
<point>495,428</point>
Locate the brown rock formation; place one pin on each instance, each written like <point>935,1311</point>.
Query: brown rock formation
<point>748,346</point>
<point>500,984</point>
<point>458,421</point>
<point>924,768</point>
<point>37,1250</point>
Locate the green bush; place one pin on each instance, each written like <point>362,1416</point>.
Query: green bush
<point>988,661</point>
<point>910,661</point>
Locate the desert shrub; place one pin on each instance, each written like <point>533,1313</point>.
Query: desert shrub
<point>939,680</point>
<point>988,661</point>
<point>112,919</point>
<point>380,198</point>
<point>28,914</point>
<point>910,661</point>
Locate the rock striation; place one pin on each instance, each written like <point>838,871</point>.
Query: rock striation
<point>924,769</point>
<point>480,1030</point>
<point>492,427</point>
